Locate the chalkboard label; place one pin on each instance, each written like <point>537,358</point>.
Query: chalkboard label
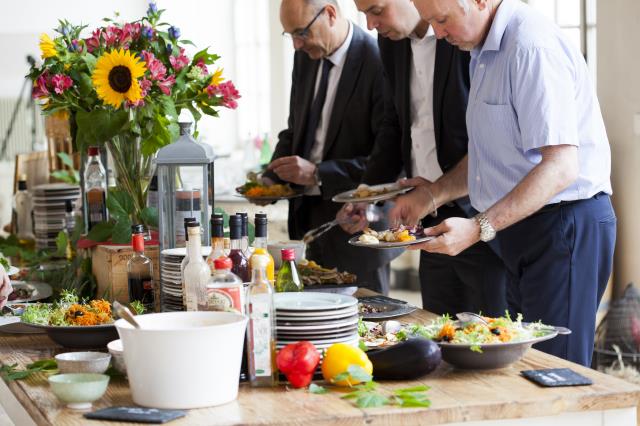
<point>136,414</point>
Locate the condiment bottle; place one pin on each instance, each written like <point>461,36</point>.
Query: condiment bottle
<point>185,259</point>
<point>197,272</point>
<point>260,244</point>
<point>217,240</point>
<point>244,244</point>
<point>288,278</point>
<point>95,188</point>
<point>140,272</point>
<point>225,291</point>
<point>240,262</point>
<point>261,330</point>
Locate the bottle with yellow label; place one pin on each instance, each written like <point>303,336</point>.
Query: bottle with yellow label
<point>260,244</point>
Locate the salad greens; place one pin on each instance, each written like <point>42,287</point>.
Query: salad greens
<point>4,262</point>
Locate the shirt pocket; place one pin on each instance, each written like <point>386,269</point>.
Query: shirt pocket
<point>496,125</point>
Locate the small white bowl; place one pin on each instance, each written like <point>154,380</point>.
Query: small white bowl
<point>117,355</point>
<point>79,390</point>
<point>83,362</point>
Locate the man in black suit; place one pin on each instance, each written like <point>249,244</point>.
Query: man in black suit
<point>424,135</point>
<point>335,112</point>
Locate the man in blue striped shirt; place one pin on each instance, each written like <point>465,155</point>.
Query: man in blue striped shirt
<point>538,167</point>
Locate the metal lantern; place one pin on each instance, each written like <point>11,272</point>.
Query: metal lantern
<point>185,187</point>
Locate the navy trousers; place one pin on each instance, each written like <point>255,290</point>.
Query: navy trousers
<point>473,281</point>
<point>559,260</point>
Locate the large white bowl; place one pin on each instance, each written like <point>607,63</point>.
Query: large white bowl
<point>182,360</point>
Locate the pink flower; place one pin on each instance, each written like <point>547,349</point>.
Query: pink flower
<point>131,32</point>
<point>155,67</point>
<point>40,87</point>
<point>112,36</point>
<point>137,104</point>
<point>165,84</point>
<point>145,85</point>
<point>93,42</point>
<point>200,64</point>
<point>227,91</point>
<point>180,61</point>
<point>61,83</point>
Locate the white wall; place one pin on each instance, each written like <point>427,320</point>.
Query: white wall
<point>619,94</point>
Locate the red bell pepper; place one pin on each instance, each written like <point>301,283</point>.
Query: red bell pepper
<point>298,362</point>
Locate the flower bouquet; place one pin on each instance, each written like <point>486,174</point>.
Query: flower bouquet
<point>123,86</point>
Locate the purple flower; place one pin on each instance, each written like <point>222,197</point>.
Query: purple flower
<point>174,33</point>
<point>147,32</point>
<point>74,46</point>
<point>153,9</point>
<point>169,48</point>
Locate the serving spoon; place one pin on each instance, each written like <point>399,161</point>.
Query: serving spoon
<point>125,313</point>
<point>471,317</point>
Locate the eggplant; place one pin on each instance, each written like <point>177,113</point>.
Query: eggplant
<point>410,359</point>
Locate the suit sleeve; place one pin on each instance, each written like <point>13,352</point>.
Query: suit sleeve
<point>284,147</point>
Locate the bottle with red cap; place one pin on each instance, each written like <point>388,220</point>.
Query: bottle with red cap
<point>288,278</point>
<point>224,291</point>
<point>140,272</point>
<point>95,188</point>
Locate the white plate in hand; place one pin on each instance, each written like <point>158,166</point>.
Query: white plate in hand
<point>391,190</point>
<point>354,241</point>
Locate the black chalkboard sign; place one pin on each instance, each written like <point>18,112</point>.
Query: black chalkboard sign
<point>136,414</point>
<point>553,377</point>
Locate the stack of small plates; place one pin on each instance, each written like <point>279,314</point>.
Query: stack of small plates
<point>321,318</point>
<point>170,278</point>
<point>49,211</point>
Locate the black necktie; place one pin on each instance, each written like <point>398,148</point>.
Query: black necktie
<point>315,113</point>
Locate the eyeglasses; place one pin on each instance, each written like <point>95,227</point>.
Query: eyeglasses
<point>303,33</point>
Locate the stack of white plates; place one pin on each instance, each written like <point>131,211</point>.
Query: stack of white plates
<point>49,211</point>
<point>171,280</point>
<point>321,318</point>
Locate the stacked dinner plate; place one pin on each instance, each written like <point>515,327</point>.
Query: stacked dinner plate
<point>170,278</point>
<point>321,318</point>
<point>49,211</point>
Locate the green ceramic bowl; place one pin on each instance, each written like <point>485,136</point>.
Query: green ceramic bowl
<point>79,390</point>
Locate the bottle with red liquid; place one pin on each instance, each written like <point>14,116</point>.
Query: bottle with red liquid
<point>140,272</point>
<point>240,261</point>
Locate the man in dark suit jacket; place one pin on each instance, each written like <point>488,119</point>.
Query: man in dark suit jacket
<point>335,112</point>
<point>423,136</point>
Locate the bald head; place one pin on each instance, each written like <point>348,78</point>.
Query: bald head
<point>316,26</point>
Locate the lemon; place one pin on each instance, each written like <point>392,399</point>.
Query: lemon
<point>337,360</point>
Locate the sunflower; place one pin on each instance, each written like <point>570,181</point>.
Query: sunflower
<point>115,77</point>
<point>47,47</point>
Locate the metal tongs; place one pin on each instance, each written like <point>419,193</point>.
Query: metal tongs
<point>373,213</point>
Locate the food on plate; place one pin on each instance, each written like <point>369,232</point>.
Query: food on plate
<point>298,362</point>
<point>394,235</point>
<point>363,191</point>
<point>446,330</point>
<point>366,308</point>
<point>21,293</point>
<point>71,311</point>
<point>337,360</point>
<point>313,274</point>
<point>406,360</point>
<point>254,189</point>
<point>4,262</point>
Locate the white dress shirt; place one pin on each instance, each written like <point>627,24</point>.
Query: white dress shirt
<point>424,158</point>
<point>337,58</point>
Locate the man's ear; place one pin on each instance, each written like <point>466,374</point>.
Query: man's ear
<point>332,13</point>
<point>480,4</point>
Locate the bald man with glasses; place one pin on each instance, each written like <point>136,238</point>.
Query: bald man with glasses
<point>336,107</point>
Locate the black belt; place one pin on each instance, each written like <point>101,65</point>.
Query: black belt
<point>556,206</point>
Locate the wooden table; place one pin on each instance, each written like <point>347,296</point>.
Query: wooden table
<point>457,396</point>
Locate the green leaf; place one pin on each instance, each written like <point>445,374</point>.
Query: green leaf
<point>149,215</point>
<point>100,232</point>
<point>168,106</point>
<point>313,388</point>
<point>189,42</point>
<point>120,204</point>
<point>61,244</point>
<point>421,388</point>
<point>362,346</point>
<point>371,399</point>
<point>208,58</point>
<point>413,401</point>
<point>99,125</point>
<point>85,85</point>
<point>340,377</point>
<point>66,159</point>
<point>358,373</point>
<point>122,231</point>
<point>64,176</point>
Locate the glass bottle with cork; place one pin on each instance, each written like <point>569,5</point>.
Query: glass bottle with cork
<point>95,188</point>
<point>217,240</point>
<point>260,244</point>
<point>140,272</point>
<point>196,272</point>
<point>185,259</point>
<point>261,330</point>
<point>22,213</point>
<point>244,241</point>
<point>288,278</point>
<point>237,256</point>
